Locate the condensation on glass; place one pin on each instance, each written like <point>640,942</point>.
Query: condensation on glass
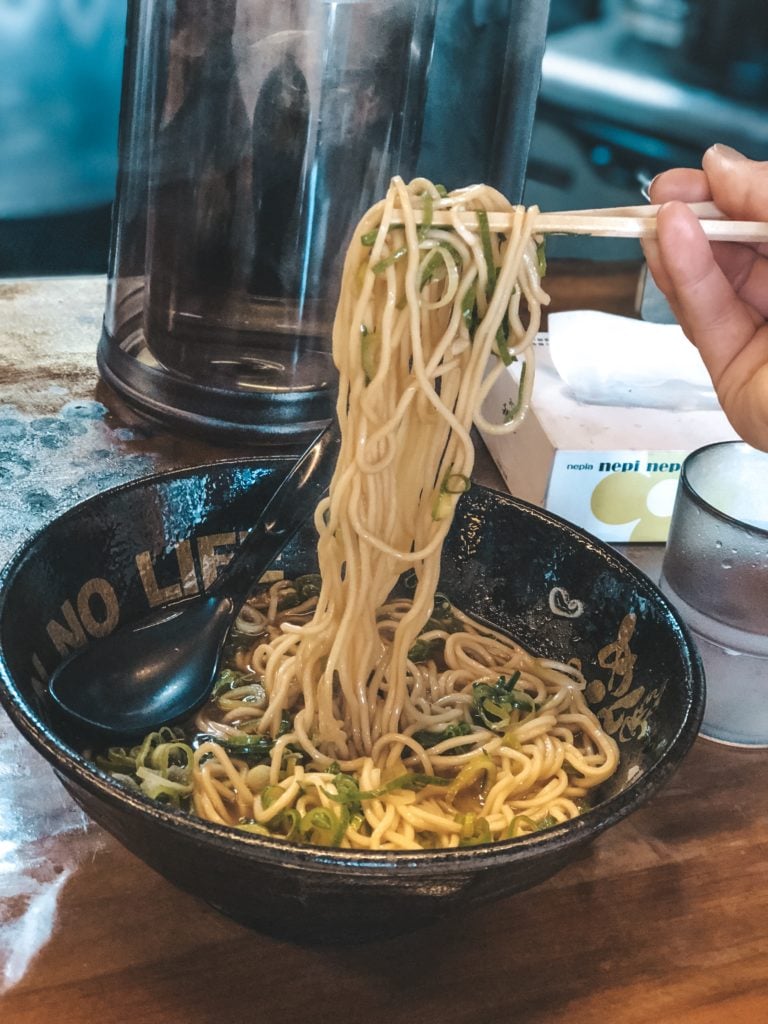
<point>715,569</point>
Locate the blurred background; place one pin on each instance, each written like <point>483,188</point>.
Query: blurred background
<point>632,87</point>
<point>60,74</point>
<point>629,87</point>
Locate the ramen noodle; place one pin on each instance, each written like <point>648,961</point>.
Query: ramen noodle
<point>359,707</point>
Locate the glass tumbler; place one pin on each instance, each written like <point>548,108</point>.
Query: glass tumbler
<point>715,569</point>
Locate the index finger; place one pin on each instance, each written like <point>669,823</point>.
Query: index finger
<point>683,183</point>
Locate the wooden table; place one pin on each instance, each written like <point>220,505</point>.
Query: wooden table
<point>664,919</point>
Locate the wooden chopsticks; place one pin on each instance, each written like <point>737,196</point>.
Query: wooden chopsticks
<point>640,222</point>
<point>621,222</point>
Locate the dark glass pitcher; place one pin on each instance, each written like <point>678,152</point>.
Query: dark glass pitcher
<point>254,134</point>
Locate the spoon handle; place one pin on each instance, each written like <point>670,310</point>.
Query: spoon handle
<point>282,516</point>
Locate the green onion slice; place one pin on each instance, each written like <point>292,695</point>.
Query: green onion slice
<point>471,774</point>
<point>510,409</point>
<point>502,342</point>
<point>349,793</point>
<point>474,829</point>
<point>485,238</point>
<point>427,738</point>
<point>494,706</point>
<point>541,258</point>
<point>249,825</point>
<point>369,353</point>
<point>389,261</point>
<point>323,828</point>
<point>456,483</point>
<point>452,483</point>
<point>426,215</point>
<point>431,267</point>
<point>469,310</point>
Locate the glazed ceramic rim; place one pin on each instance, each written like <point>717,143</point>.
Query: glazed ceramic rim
<point>70,764</point>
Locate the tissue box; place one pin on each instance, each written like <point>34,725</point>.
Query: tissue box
<point>610,469</point>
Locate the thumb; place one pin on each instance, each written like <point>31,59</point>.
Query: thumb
<point>720,324</point>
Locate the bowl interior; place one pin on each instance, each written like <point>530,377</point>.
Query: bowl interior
<point>556,590</point>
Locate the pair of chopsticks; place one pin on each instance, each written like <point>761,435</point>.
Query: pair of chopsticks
<point>622,222</point>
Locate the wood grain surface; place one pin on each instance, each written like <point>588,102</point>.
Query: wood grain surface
<point>663,919</point>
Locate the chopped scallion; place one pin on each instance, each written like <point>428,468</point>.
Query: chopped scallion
<point>541,258</point>
<point>431,267</point>
<point>456,483</point>
<point>426,215</point>
<point>502,342</point>
<point>469,311</point>
<point>389,261</point>
<point>485,238</point>
<point>423,650</point>
<point>430,738</point>
<point>510,409</point>
<point>452,483</point>
<point>323,828</point>
<point>474,829</point>
<point>480,767</point>
<point>351,796</point>
<point>249,825</point>
<point>500,706</point>
<point>369,354</point>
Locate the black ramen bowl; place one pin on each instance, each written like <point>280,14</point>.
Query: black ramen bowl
<point>553,588</point>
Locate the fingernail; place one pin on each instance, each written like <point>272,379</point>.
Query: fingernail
<point>648,191</point>
<point>649,187</point>
<point>726,153</point>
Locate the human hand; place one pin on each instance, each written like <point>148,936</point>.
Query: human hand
<point>719,291</point>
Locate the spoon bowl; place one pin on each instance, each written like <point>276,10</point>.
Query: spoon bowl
<point>161,669</point>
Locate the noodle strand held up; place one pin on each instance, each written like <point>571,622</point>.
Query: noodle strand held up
<point>411,382</point>
<point>391,722</point>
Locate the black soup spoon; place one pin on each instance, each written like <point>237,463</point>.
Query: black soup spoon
<point>161,669</point>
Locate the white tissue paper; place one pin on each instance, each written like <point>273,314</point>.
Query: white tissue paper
<point>614,360</point>
<point>617,405</point>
